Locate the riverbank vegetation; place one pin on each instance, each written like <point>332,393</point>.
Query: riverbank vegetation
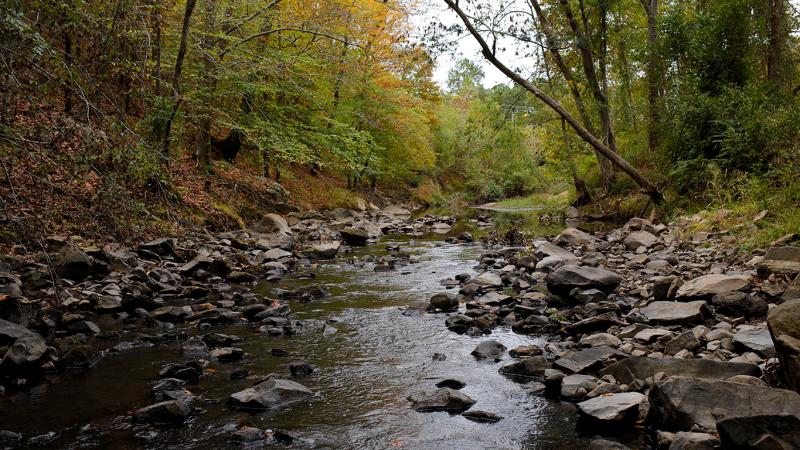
<point>132,117</point>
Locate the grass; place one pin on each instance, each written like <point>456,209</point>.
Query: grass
<point>541,200</point>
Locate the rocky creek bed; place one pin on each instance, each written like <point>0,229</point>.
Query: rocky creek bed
<point>377,330</point>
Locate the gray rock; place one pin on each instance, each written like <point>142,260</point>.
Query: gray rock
<point>686,340</point>
<point>564,279</point>
<point>583,360</point>
<point>679,403</point>
<point>676,312</point>
<point>640,239</point>
<point>482,416</point>
<point>355,236</point>
<point>271,393</point>
<point>273,223</point>
<point>686,440</point>
<point>525,368</point>
<point>574,387</point>
<point>708,285</point>
<point>488,350</point>
<point>73,263</point>
<point>760,432</point>
<point>441,399</point>
<point>574,236</point>
<point>616,409</point>
<point>665,288</point>
<point>640,368</point>
<point>739,304</point>
<point>167,412</point>
<point>780,260</point>
<point>600,340</point>
<point>784,326</point>
<point>444,301</point>
<point>26,349</point>
<point>161,247</point>
<point>758,341</point>
<point>604,444</point>
<point>488,279</point>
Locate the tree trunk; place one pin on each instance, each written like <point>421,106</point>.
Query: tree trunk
<point>617,160</point>
<point>203,138</point>
<point>67,86</point>
<point>654,75</point>
<point>587,62</point>
<point>777,33</point>
<point>156,19</point>
<point>176,77</point>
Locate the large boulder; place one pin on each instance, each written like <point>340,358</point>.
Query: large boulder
<point>781,260</point>
<point>26,349</point>
<point>441,399</point>
<point>739,304</point>
<point>708,285</point>
<point>488,350</point>
<point>668,313</point>
<point>564,279</point>
<point>640,239</point>
<point>355,236</point>
<point>760,432</point>
<point>444,301</point>
<point>273,223</point>
<point>784,326</point>
<point>679,403</point>
<point>73,263</point>
<point>271,393</point>
<point>640,368</point>
<point>615,409</point>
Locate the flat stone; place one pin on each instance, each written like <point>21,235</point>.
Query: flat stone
<point>780,260</point>
<point>489,350</point>
<point>441,399</point>
<point>640,368</point>
<point>615,409</point>
<point>488,279</point>
<point>574,236</point>
<point>784,326</point>
<point>271,393</point>
<point>638,239</point>
<point>676,312</point>
<point>582,360</point>
<point>651,334</point>
<point>167,412</point>
<point>757,341</point>
<point>768,432</point>
<point>482,416</point>
<point>600,340</point>
<point>708,285</point>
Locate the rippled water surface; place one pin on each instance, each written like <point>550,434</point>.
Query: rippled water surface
<point>363,374</point>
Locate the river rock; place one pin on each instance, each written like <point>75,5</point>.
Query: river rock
<point>784,326</point>
<point>273,223</point>
<point>679,403</point>
<point>760,432</point>
<point>167,412</point>
<point>605,444</point>
<point>441,399</point>
<point>573,387</point>
<point>481,416</point>
<point>444,301</point>
<point>686,440</point>
<point>323,250</point>
<point>615,409</point>
<point>451,383</point>
<point>758,341</point>
<point>275,254</point>
<point>355,236</point>
<point>640,239</point>
<point>488,279</point>
<point>684,341</point>
<point>271,393</point>
<point>639,368</point>
<point>80,357</point>
<point>488,350</point>
<point>739,304</point>
<point>527,367</point>
<point>708,285</point>
<point>582,360</point>
<point>780,260</point>
<point>459,323</point>
<point>160,247</point>
<point>574,236</point>
<point>73,263</point>
<point>667,313</point>
<point>564,279</point>
<point>26,349</point>
<point>600,340</point>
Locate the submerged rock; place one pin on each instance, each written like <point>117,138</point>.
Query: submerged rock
<point>488,350</point>
<point>270,393</point>
<point>441,399</point>
<point>482,416</point>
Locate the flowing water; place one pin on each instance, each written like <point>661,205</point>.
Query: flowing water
<point>380,353</point>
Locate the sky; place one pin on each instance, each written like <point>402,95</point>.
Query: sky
<point>466,46</point>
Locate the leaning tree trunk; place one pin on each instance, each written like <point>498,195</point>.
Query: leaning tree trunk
<point>617,160</point>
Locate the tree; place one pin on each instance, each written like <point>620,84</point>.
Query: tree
<point>602,148</point>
